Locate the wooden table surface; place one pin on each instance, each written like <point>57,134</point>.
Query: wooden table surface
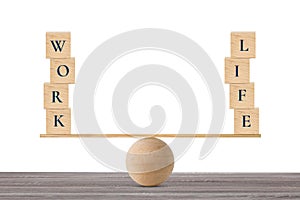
<point>220,186</point>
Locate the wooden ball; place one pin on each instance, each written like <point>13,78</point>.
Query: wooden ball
<point>149,161</point>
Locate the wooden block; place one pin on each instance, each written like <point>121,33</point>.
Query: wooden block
<point>56,96</point>
<point>243,45</point>
<point>242,95</point>
<point>237,70</point>
<point>58,45</point>
<point>58,121</point>
<point>246,121</point>
<point>62,70</point>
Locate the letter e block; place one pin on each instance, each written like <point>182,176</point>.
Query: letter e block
<point>58,45</point>
<point>246,121</point>
<point>242,95</point>
<point>243,45</point>
<point>62,70</point>
<point>56,96</point>
<point>58,121</point>
<point>237,70</point>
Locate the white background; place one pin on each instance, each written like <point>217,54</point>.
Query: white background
<point>275,72</point>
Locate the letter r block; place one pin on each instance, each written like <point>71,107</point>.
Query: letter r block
<point>58,45</point>
<point>56,96</point>
<point>242,95</point>
<point>246,121</point>
<point>62,70</point>
<point>58,121</point>
<point>237,70</point>
<point>243,45</point>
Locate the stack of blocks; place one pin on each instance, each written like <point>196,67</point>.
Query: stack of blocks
<point>237,74</point>
<point>62,73</point>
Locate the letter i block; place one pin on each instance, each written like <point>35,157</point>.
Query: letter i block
<point>243,45</point>
<point>62,70</point>
<point>242,95</point>
<point>246,121</point>
<point>58,121</point>
<point>56,96</point>
<point>237,70</point>
<point>58,45</point>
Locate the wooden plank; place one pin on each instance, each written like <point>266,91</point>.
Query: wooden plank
<point>83,186</point>
<point>150,135</point>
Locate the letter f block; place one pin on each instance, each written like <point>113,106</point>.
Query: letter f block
<point>242,95</point>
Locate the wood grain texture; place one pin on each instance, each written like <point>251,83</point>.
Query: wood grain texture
<point>232,75</point>
<point>64,39</point>
<point>64,115</point>
<point>56,96</point>
<point>242,95</point>
<point>253,121</point>
<point>249,44</point>
<point>86,186</point>
<point>149,161</point>
<point>161,135</point>
<point>62,70</point>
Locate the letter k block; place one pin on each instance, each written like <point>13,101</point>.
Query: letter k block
<point>58,121</point>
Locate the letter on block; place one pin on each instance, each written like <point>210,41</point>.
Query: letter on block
<point>246,121</point>
<point>237,70</point>
<point>242,95</point>
<point>62,70</point>
<point>58,121</point>
<point>58,45</point>
<point>243,45</point>
<point>56,96</point>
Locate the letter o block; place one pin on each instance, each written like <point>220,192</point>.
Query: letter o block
<point>62,70</point>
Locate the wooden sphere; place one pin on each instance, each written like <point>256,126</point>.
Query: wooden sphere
<point>149,161</point>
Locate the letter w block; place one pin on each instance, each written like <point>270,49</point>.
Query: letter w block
<point>58,45</point>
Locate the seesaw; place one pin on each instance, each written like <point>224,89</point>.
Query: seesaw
<point>144,164</point>
<point>159,135</point>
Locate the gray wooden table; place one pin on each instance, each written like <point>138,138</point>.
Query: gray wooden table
<point>119,186</point>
